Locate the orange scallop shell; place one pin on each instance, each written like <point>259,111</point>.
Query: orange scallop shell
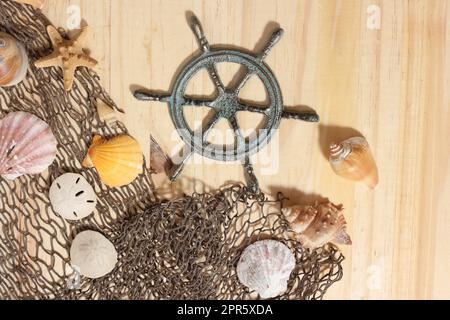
<point>118,161</point>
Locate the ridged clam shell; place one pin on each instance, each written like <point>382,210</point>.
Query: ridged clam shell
<point>72,197</point>
<point>27,145</point>
<point>13,61</point>
<point>92,254</point>
<point>118,161</point>
<point>265,266</point>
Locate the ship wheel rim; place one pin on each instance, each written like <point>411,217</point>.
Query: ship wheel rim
<point>273,114</point>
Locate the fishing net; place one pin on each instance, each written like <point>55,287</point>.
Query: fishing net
<point>189,248</point>
<point>186,248</point>
<point>34,241</point>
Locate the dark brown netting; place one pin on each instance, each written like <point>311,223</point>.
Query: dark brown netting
<point>188,249</point>
<point>181,249</point>
<point>34,241</point>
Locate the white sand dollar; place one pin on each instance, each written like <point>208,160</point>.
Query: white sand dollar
<point>72,196</point>
<point>93,254</point>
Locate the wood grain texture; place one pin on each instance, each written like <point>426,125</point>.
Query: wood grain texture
<point>390,85</point>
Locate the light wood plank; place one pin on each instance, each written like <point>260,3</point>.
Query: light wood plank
<point>389,84</point>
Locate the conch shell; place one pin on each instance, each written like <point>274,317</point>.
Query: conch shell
<point>13,61</point>
<point>318,224</point>
<point>353,160</point>
<point>118,161</point>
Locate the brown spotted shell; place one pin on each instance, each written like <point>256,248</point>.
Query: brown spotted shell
<point>318,224</point>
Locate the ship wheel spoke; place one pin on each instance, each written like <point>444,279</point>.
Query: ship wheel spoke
<point>197,102</point>
<point>209,125</point>
<point>240,139</point>
<point>253,107</point>
<point>242,82</point>
<point>274,39</point>
<point>212,70</point>
<point>145,95</point>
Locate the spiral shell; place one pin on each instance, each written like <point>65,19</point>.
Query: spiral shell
<point>353,160</point>
<point>27,145</point>
<point>318,224</point>
<point>265,266</point>
<point>13,61</point>
<point>118,161</point>
<point>92,254</point>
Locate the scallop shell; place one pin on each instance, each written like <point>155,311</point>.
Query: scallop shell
<point>72,197</point>
<point>92,254</point>
<point>13,61</point>
<point>27,145</point>
<point>265,266</point>
<point>118,161</point>
<point>318,224</point>
<point>353,160</point>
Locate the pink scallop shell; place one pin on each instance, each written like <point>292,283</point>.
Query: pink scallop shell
<point>27,145</point>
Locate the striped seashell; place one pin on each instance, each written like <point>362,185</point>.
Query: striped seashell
<point>27,145</point>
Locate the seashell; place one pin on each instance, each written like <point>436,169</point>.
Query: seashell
<point>159,160</point>
<point>353,160</point>
<point>318,224</point>
<point>72,196</point>
<point>92,254</point>
<point>106,113</point>
<point>27,145</point>
<point>118,161</point>
<point>13,61</point>
<point>265,266</point>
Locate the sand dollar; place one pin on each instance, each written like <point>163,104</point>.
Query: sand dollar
<point>72,196</point>
<point>93,254</point>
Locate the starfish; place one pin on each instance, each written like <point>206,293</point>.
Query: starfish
<point>39,4</point>
<point>67,54</point>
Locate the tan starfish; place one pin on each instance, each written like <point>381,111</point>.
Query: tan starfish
<point>35,3</point>
<point>67,54</point>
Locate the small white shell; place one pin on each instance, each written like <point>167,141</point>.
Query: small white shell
<point>72,196</point>
<point>93,254</point>
<point>265,266</point>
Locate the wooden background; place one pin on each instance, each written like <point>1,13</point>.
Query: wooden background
<point>391,85</point>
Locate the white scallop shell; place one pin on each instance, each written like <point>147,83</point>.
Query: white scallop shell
<point>27,145</point>
<point>72,196</point>
<point>93,254</point>
<point>265,266</point>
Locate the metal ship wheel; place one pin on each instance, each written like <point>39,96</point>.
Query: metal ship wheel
<point>226,105</point>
